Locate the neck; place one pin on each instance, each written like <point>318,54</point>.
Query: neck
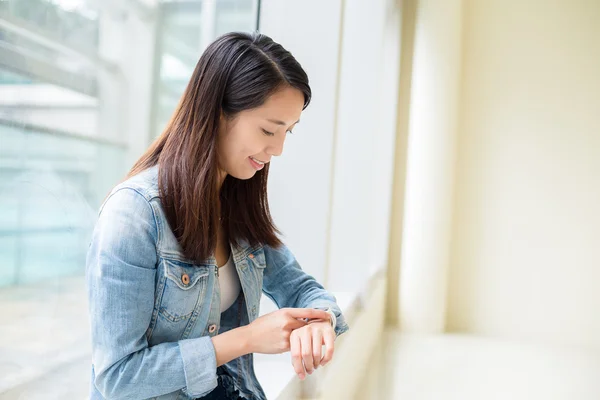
<point>220,179</point>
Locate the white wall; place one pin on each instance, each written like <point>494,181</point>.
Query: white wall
<point>526,253</point>
<point>382,171</point>
<point>299,180</point>
<point>330,192</point>
<point>430,165</point>
<point>364,146</point>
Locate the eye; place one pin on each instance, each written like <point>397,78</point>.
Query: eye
<point>266,132</point>
<point>290,132</point>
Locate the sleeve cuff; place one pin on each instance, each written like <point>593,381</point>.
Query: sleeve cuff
<point>332,318</point>
<point>338,322</point>
<point>199,365</point>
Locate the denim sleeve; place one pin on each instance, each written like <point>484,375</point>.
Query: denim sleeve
<point>289,286</point>
<point>120,273</point>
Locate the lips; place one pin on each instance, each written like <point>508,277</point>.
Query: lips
<point>256,164</point>
<point>257,161</point>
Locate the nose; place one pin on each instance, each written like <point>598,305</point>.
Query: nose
<point>275,145</point>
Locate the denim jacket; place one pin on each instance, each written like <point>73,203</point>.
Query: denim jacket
<point>153,312</point>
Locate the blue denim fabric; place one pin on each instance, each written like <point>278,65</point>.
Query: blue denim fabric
<point>225,389</point>
<point>151,329</point>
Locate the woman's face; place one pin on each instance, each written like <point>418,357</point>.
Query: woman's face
<point>249,140</point>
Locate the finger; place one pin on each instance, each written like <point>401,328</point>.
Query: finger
<point>296,323</point>
<point>307,350</point>
<point>328,339</point>
<point>309,313</point>
<point>317,342</point>
<point>296,352</point>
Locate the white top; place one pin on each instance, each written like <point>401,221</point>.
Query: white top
<point>230,284</point>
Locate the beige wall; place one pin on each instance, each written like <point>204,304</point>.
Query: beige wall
<point>430,165</point>
<point>525,259</point>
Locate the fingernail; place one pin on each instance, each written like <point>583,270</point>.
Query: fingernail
<point>302,377</point>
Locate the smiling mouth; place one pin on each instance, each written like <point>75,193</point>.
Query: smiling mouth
<point>258,161</point>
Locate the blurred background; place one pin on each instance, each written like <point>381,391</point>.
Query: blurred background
<point>444,183</point>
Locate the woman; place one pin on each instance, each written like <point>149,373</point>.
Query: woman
<point>183,249</point>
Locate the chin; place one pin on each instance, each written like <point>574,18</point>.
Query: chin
<point>244,176</point>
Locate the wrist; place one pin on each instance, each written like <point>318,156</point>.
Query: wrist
<point>231,344</point>
<point>244,335</point>
<point>332,318</point>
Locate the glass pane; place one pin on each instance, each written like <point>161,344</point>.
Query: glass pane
<point>67,93</point>
<point>72,22</point>
<point>50,189</point>
<point>182,37</point>
<point>235,16</point>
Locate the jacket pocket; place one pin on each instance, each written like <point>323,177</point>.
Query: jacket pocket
<point>257,259</point>
<point>184,289</point>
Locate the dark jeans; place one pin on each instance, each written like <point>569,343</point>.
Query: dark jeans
<point>225,389</point>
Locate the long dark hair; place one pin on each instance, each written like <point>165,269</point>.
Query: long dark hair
<point>237,72</point>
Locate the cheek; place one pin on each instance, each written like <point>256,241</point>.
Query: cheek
<point>248,144</point>
<point>225,149</point>
<point>236,150</point>
<point>242,141</point>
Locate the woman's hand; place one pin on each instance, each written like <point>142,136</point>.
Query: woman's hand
<point>305,346</point>
<point>270,333</point>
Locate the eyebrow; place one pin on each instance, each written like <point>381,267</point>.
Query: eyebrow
<point>276,121</point>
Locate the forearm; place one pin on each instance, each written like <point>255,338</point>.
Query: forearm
<point>288,286</point>
<point>232,344</point>
<point>153,371</point>
<point>319,298</point>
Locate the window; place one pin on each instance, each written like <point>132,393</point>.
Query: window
<point>84,87</point>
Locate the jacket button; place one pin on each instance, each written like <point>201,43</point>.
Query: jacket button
<point>212,328</point>
<point>185,278</point>
<point>251,256</point>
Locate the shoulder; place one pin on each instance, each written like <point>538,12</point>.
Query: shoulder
<point>127,219</point>
<point>136,197</point>
<point>145,184</point>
